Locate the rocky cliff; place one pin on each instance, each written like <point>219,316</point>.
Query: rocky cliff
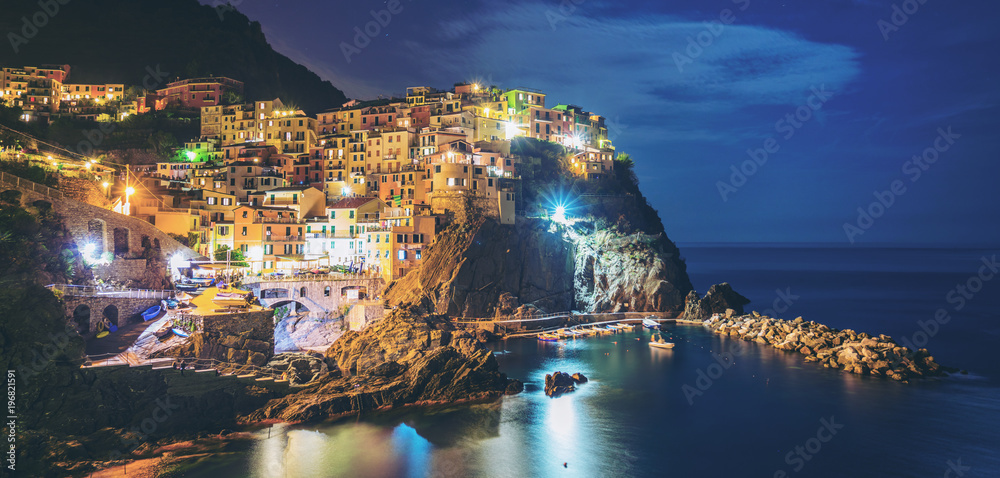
<point>403,359</point>
<point>482,269</point>
<point>472,264</point>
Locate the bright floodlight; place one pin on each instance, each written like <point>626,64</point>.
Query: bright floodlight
<point>346,191</point>
<point>129,191</point>
<point>560,214</point>
<point>191,155</point>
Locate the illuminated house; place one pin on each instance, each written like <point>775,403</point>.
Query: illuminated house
<point>199,92</point>
<point>37,91</point>
<point>340,235</point>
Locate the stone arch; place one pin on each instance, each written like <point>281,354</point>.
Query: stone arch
<point>96,232</point>
<point>81,317</point>
<point>293,305</point>
<point>121,240</point>
<point>111,313</point>
<point>275,293</point>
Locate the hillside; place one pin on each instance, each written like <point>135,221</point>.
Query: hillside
<point>114,41</point>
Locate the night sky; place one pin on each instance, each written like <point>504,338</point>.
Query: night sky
<point>688,114</point>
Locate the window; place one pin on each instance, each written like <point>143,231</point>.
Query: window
<point>244,230</point>
<point>226,201</point>
<point>333,214</point>
<point>244,214</point>
<point>302,292</point>
<point>399,238</point>
<point>351,214</point>
<point>326,291</point>
<point>211,202</point>
<point>401,255</point>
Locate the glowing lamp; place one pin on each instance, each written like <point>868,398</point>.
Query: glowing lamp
<point>560,214</point>
<point>129,191</point>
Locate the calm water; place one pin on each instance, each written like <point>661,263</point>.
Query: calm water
<point>634,419</point>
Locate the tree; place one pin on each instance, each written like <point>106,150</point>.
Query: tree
<point>162,143</point>
<point>234,256</point>
<point>232,98</point>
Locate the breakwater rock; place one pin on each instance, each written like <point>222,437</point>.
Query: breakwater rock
<point>855,352</point>
<point>401,360</point>
<point>717,300</point>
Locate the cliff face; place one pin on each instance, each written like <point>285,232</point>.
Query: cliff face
<point>636,272</point>
<point>484,269</point>
<point>473,264</point>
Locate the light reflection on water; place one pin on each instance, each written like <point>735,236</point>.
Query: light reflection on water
<point>632,419</point>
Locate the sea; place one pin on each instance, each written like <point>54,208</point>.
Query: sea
<point>712,406</point>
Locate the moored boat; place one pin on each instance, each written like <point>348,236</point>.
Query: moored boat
<point>548,338</point>
<point>230,299</point>
<point>180,332</point>
<point>661,345</point>
<point>650,323</point>
<point>151,313</point>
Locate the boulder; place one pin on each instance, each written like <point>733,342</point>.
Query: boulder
<point>559,383</point>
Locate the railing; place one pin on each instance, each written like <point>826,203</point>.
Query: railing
<point>34,187</point>
<point>274,238</point>
<point>274,220</point>
<point>333,235</point>
<point>310,277</point>
<point>92,291</point>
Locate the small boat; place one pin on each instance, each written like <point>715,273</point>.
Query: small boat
<point>179,332</point>
<point>230,299</point>
<point>172,303</point>
<point>163,331</point>
<point>650,323</point>
<point>151,313</point>
<point>622,326</point>
<point>187,287</point>
<point>661,345</point>
<point>102,334</point>
<point>202,281</point>
<point>548,338</point>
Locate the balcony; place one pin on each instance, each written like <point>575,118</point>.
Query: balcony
<point>275,220</point>
<point>274,238</point>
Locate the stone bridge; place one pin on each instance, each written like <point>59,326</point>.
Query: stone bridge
<point>108,231</point>
<point>320,296</point>
<point>87,305</point>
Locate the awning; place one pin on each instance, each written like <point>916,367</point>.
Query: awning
<point>212,266</point>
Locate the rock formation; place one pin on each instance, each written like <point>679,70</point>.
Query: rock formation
<point>559,383</point>
<point>403,359</point>
<point>851,351</point>
<point>717,300</point>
